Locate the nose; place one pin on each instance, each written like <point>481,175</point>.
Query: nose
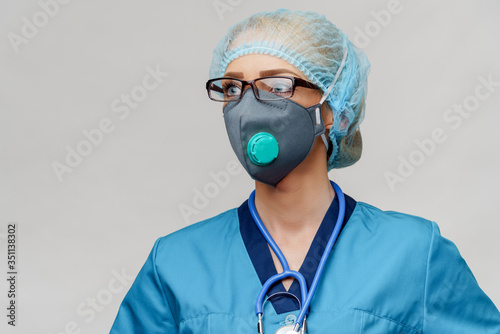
<point>249,86</point>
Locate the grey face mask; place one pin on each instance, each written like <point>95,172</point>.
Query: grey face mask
<point>271,138</point>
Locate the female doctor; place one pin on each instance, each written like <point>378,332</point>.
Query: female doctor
<point>300,256</point>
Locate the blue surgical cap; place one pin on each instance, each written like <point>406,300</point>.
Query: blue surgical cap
<point>315,46</point>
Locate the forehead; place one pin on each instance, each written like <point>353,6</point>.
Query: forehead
<point>251,66</point>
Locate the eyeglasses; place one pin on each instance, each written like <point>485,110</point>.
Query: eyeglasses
<point>280,87</point>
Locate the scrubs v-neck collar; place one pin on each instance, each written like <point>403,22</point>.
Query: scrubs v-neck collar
<point>262,260</point>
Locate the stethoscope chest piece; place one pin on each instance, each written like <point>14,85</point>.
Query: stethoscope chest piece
<point>288,329</point>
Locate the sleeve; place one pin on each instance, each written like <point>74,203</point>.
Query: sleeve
<point>453,301</point>
<point>145,308</point>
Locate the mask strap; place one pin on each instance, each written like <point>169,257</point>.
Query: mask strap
<point>325,96</point>
<point>325,141</point>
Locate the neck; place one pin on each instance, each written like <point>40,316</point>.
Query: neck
<point>300,200</point>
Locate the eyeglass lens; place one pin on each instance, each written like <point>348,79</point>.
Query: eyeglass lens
<point>231,89</point>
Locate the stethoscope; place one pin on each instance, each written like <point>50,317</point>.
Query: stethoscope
<point>301,322</point>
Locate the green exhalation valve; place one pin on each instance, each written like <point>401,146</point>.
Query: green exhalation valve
<point>262,148</point>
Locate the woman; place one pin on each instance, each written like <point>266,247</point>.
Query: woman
<point>292,88</point>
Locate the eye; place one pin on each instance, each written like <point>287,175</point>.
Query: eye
<point>231,89</point>
<point>279,86</point>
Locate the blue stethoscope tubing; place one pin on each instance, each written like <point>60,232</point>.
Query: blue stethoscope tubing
<point>306,296</point>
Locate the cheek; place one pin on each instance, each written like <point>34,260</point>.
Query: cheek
<point>306,100</point>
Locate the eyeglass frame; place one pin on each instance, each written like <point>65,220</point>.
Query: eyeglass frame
<point>295,82</point>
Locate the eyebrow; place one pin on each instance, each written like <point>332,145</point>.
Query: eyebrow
<point>265,73</point>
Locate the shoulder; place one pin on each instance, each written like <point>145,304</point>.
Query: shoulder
<point>201,236</point>
<point>200,248</point>
<point>393,227</point>
<point>377,218</point>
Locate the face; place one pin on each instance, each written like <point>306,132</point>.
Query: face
<point>253,66</point>
<point>250,67</point>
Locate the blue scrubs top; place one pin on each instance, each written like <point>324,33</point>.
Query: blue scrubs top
<point>388,272</point>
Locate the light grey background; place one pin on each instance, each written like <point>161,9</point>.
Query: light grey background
<point>103,218</point>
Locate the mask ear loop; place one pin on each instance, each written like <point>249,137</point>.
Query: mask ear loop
<point>325,96</point>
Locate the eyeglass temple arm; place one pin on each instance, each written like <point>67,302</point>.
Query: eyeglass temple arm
<point>215,88</point>
<point>304,83</point>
